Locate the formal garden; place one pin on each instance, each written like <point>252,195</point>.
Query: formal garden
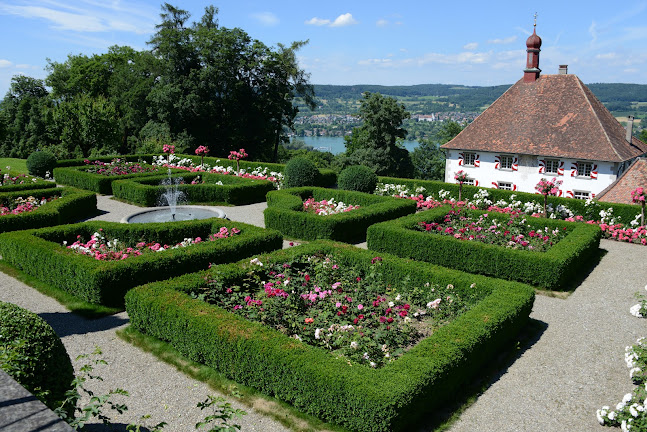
<point>397,328</point>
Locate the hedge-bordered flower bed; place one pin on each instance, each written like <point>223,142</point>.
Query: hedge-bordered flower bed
<point>79,177</point>
<point>285,213</point>
<point>552,269</point>
<point>231,190</point>
<point>41,253</point>
<point>70,206</point>
<point>356,396</point>
<point>31,184</point>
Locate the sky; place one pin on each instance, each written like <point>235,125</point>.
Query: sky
<point>477,43</point>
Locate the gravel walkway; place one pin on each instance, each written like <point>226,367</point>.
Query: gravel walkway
<point>574,367</point>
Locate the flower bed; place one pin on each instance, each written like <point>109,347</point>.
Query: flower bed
<point>553,269</point>
<point>37,208</point>
<point>42,254</point>
<point>327,207</point>
<point>198,188</point>
<point>328,384</point>
<point>285,213</point>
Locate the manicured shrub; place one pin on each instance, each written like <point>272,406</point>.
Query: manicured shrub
<point>358,178</point>
<point>312,379</point>
<point>34,355</point>
<point>285,213</point>
<point>41,162</point>
<point>42,254</point>
<point>78,176</point>
<point>70,206</point>
<point>554,269</point>
<point>300,172</point>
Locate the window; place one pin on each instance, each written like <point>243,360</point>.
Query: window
<point>584,169</point>
<point>505,185</point>
<point>469,159</point>
<point>552,166</point>
<point>581,195</point>
<point>506,162</point>
<point>469,181</point>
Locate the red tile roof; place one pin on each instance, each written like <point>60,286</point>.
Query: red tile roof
<point>620,190</point>
<point>557,116</point>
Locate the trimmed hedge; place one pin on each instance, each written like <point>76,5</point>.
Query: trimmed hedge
<point>48,368</point>
<point>626,212</point>
<point>73,205</point>
<point>78,176</point>
<point>143,158</point>
<point>38,184</point>
<point>41,254</point>
<point>552,269</point>
<point>312,379</point>
<point>284,213</point>
<point>234,190</point>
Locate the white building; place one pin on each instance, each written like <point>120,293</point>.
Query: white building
<point>549,126</point>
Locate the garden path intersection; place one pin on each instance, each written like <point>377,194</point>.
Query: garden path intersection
<point>573,367</point>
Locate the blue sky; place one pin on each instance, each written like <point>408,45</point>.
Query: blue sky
<point>357,41</point>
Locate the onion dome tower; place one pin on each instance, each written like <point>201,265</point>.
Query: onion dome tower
<point>533,46</point>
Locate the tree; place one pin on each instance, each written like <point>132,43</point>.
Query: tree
<point>376,142</point>
<point>428,159</point>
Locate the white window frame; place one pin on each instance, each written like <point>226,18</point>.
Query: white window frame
<point>509,161</point>
<point>507,187</point>
<point>582,169</point>
<point>581,195</point>
<point>469,181</point>
<point>466,159</point>
<point>549,163</point>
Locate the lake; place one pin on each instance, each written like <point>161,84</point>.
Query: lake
<point>335,145</point>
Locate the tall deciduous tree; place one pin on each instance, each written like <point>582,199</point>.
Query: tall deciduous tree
<point>376,143</point>
<point>428,159</point>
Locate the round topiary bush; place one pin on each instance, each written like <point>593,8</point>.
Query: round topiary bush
<point>40,162</point>
<point>32,353</point>
<point>300,172</point>
<point>357,178</point>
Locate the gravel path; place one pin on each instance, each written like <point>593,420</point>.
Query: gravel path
<point>574,367</point>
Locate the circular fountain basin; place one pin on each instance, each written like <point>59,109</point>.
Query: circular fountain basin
<point>182,213</point>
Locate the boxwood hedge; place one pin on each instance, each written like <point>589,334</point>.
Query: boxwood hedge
<point>71,206</point>
<point>29,184</point>
<point>41,253</point>
<point>233,190</point>
<point>284,213</point>
<point>553,269</point>
<point>79,177</point>
<point>626,212</point>
<point>319,383</point>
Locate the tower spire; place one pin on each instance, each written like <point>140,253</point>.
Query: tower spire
<point>533,47</point>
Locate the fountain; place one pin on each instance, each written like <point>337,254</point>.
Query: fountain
<point>171,197</point>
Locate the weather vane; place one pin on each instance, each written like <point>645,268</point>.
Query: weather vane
<point>535,19</point>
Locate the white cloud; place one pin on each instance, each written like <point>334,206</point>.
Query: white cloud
<point>5,63</point>
<point>471,46</point>
<point>507,40</point>
<point>317,21</point>
<point>631,70</point>
<point>23,66</point>
<point>343,20</point>
<point>266,18</point>
<point>607,56</point>
<point>382,23</point>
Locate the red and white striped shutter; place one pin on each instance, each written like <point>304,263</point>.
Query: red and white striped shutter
<point>594,171</point>
<point>573,169</point>
<point>495,185</point>
<point>542,166</point>
<point>476,182</point>
<point>560,193</point>
<point>514,187</point>
<point>461,157</point>
<point>477,161</point>
<point>560,170</point>
<point>570,194</point>
<point>497,162</point>
<point>515,164</point>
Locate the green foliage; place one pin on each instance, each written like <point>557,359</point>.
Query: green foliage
<point>428,161</point>
<point>40,163</point>
<point>358,178</point>
<point>73,204</point>
<point>285,213</point>
<point>392,398</point>
<point>233,190</point>
<point>223,413</point>
<point>32,353</point>
<point>300,172</point>
<point>553,269</point>
<point>80,177</point>
<point>41,254</point>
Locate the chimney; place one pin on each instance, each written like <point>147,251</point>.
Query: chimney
<point>563,69</point>
<point>630,126</point>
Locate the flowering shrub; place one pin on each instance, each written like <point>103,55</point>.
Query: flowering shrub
<point>8,179</point>
<point>168,148</point>
<point>102,249</point>
<point>318,300</point>
<point>202,151</point>
<point>237,156</point>
<point>638,197</point>
<point>23,205</point>
<point>631,412</point>
<point>639,310</point>
<point>547,188</point>
<point>512,232</point>
<point>460,177</point>
<point>326,207</point>
<point>117,167</point>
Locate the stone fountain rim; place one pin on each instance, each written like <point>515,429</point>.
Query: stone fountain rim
<point>157,209</point>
